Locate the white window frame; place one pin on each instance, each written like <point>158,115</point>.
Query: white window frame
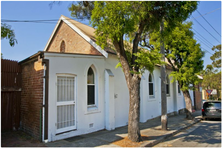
<point>93,106</point>
<point>151,96</point>
<point>67,103</point>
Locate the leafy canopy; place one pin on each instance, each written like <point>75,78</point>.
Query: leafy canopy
<point>216,57</point>
<point>212,81</point>
<point>132,20</point>
<point>117,20</point>
<point>81,9</point>
<point>182,53</point>
<point>211,76</point>
<point>8,33</point>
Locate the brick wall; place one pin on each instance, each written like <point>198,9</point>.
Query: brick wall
<point>74,43</point>
<point>31,98</point>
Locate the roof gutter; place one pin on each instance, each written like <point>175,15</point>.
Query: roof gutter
<point>32,57</point>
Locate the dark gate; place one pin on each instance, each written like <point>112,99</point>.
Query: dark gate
<point>10,94</point>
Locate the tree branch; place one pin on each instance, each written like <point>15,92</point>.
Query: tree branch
<point>119,46</point>
<point>136,43</point>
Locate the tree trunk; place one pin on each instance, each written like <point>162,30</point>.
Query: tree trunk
<point>163,82</point>
<point>188,102</point>
<point>134,109</point>
<point>133,84</point>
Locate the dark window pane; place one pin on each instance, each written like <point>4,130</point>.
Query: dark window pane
<point>90,76</point>
<point>179,89</point>
<point>62,47</point>
<point>91,95</point>
<point>150,88</point>
<point>167,79</point>
<point>167,89</point>
<point>150,78</point>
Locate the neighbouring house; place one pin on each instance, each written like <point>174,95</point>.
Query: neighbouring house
<point>73,88</point>
<point>198,95</point>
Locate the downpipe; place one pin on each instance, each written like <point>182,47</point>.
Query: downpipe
<point>43,107</point>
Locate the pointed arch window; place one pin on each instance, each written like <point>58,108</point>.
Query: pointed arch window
<point>62,46</point>
<point>91,87</point>
<point>151,85</point>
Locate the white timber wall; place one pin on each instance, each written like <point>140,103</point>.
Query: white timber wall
<point>87,120</point>
<point>116,109</point>
<point>150,105</point>
<point>112,94</point>
<point>170,97</point>
<point>180,99</point>
<point>121,92</point>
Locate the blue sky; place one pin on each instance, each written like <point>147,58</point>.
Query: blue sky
<point>32,37</point>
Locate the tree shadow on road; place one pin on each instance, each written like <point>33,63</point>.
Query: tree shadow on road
<point>206,133</point>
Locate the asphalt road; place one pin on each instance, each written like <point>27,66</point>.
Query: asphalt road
<point>203,134</point>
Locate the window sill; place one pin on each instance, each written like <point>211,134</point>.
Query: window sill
<point>92,106</point>
<point>92,112</point>
<point>151,100</point>
<point>151,97</point>
<point>91,109</point>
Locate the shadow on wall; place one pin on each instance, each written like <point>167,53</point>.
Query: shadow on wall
<point>32,97</point>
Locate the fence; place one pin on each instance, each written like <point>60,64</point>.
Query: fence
<point>10,94</point>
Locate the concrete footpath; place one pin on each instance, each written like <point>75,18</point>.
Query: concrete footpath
<point>150,131</point>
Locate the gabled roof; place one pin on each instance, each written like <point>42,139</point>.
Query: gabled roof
<point>86,32</point>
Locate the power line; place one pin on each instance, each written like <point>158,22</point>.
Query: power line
<point>202,42</point>
<point>206,13</point>
<point>205,29</point>
<point>206,45</point>
<point>52,21</point>
<point>209,23</point>
<point>6,20</point>
<point>202,37</point>
<point>206,50</point>
<point>55,20</point>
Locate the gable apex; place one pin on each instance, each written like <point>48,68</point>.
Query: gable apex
<point>86,32</point>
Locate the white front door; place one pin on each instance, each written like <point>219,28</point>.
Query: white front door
<point>66,103</point>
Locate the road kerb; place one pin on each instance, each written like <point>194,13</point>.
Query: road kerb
<point>172,133</point>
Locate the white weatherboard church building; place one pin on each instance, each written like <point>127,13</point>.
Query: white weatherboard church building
<point>84,92</point>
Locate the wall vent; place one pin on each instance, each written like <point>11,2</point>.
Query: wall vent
<point>90,125</point>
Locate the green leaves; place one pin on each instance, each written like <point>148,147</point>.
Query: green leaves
<point>216,57</point>
<point>8,33</point>
<point>112,20</point>
<point>211,76</point>
<point>212,81</point>
<point>136,22</point>
<point>145,60</point>
<point>182,52</point>
<point>81,9</point>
